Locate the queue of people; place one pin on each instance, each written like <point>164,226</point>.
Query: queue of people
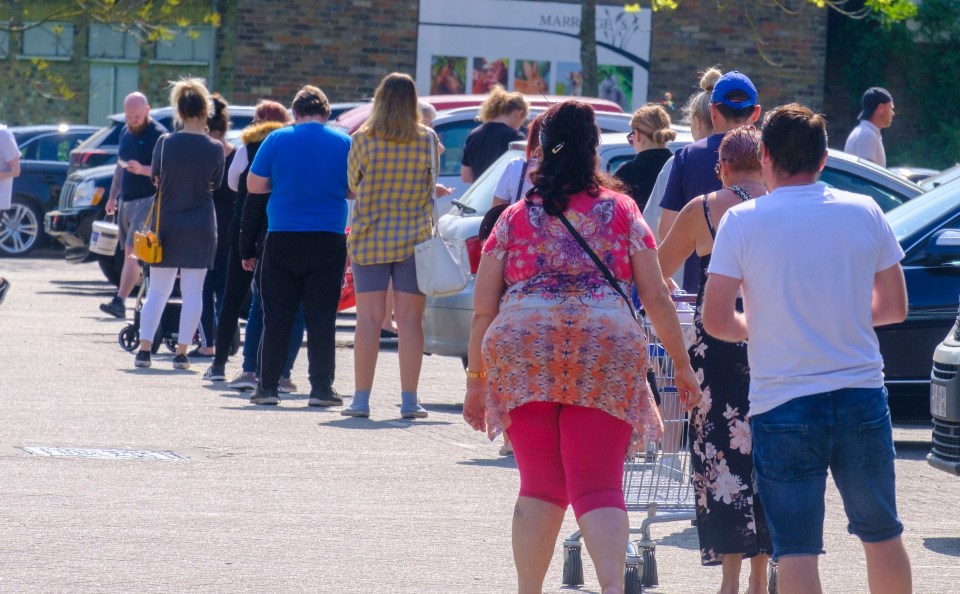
<point>557,360</point>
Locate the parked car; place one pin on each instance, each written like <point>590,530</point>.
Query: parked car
<point>350,121</point>
<point>453,126</point>
<point>44,155</point>
<point>945,176</point>
<point>101,148</point>
<point>945,400</point>
<point>447,319</point>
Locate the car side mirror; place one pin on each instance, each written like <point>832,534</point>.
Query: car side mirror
<point>944,245</point>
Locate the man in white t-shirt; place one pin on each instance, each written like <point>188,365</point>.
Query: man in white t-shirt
<point>9,169</point>
<point>876,113</point>
<point>818,269</point>
<point>9,166</point>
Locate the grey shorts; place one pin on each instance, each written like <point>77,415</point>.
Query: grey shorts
<point>376,277</point>
<point>131,217</point>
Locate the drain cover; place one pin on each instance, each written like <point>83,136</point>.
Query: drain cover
<point>103,454</point>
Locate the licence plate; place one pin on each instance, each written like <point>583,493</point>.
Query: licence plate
<point>938,400</point>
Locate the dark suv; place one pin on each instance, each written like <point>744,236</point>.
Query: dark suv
<point>44,152</point>
<point>83,198</point>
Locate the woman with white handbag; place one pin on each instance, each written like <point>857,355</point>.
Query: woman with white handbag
<point>392,170</point>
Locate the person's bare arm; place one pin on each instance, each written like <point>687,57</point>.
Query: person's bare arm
<point>655,297</point>
<point>667,219</point>
<point>889,303</point>
<point>111,206</point>
<point>720,316</point>
<point>466,174</point>
<point>681,241</point>
<point>488,290</point>
<point>257,184</point>
<point>14,168</point>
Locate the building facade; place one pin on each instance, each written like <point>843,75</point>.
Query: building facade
<point>270,48</point>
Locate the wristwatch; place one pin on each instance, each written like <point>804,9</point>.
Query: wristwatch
<point>476,374</point>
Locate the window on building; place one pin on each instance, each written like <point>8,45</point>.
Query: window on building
<point>106,42</point>
<point>187,45</point>
<point>48,40</point>
<point>4,43</point>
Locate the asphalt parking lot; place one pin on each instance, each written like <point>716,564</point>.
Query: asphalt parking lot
<point>118,480</point>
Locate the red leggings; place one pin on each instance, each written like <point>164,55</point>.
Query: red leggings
<point>570,454</point>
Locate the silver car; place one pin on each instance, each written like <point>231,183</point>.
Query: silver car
<point>447,319</point>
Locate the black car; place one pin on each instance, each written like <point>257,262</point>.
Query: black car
<point>928,229</point>
<point>44,156</point>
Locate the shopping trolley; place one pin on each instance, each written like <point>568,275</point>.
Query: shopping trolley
<point>656,481</point>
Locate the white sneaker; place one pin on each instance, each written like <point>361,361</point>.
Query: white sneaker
<point>244,380</point>
<point>286,386</point>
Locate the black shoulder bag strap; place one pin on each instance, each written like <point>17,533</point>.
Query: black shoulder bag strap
<point>596,260</point>
<point>523,177</point>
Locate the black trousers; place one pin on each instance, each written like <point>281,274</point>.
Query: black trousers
<point>234,295</point>
<point>300,267</point>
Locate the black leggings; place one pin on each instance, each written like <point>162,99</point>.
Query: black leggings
<point>234,294</point>
<point>300,267</point>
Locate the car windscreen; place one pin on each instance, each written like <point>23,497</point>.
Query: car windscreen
<point>109,135</point>
<point>479,196</point>
<point>923,210</point>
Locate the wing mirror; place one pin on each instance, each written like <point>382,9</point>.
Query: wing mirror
<point>944,246</point>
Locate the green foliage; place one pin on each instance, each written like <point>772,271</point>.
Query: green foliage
<point>925,54</point>
<point>892,10</point>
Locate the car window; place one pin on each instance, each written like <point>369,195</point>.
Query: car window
<point>57,147</point>
<point>886,199</point>
<point>923,211</point>
<point>453,137</point>
<point>27,148</point>
<point>616,162</point>
<point>106,136</point>
<point>479,196</point>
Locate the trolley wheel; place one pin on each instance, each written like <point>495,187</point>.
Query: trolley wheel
<point>649,576</point>
<point>572,566</point>
<point>171,344</point>
<point>631,580</point>
<point>772,582</point>
<point>129,338</point>
<point>235,343</point>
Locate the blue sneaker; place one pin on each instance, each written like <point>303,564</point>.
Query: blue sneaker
<point>360,407</point>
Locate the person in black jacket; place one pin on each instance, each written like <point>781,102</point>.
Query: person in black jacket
<point>268,116</point>
<point>649,134</point>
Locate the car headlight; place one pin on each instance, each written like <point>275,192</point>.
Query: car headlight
<point>87,194</point>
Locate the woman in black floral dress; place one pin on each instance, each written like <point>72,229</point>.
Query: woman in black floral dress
<point>730,521</point>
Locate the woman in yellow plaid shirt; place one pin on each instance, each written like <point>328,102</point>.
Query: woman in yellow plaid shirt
<point>391,166</point>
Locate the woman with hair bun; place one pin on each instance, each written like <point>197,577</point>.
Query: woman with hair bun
<point>502,114</point>
<point>730,521</point>
<point>696,114</point>
<point>187,167</point>
<point>556,358</point>
<point>650,132</point>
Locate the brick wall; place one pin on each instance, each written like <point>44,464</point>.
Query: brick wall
<point>343,47</point>
<point>791,66</point>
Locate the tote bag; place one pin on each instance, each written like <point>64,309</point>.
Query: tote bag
<point>442,266</point>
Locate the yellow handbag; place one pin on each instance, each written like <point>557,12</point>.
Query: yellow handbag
<point>146,242</point>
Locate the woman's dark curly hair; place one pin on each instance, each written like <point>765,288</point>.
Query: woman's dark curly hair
<point>568,138</point>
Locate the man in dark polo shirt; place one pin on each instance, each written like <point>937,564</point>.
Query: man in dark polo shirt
<point>733,103</point>
<point>133,188</point>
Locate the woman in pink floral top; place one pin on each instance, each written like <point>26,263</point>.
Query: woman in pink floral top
<point>556,359</point>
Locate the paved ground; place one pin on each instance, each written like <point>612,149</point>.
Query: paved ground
<point>292,499</point>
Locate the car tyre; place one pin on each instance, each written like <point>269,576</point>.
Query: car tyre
<point>111,266</point>
<point>21,228</point>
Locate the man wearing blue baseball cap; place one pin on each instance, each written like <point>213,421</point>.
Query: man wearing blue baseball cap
<point>733,103</point>
<point>876,113</point>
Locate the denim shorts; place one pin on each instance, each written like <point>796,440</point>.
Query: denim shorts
<point>847,431</point>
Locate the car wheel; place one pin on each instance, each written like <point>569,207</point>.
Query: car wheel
<point>21,228</point>
<point>110,269</point>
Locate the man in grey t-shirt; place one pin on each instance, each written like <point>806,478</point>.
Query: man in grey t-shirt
<point>876,113</point>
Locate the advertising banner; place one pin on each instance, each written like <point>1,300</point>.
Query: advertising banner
<point>467,46</point>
